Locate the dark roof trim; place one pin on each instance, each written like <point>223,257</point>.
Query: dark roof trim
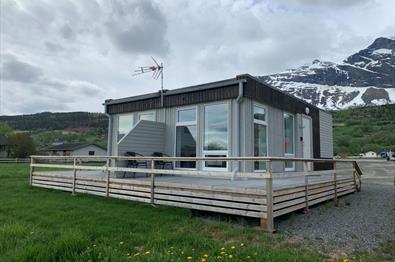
<point>254,89</point>
<point>183,90</point>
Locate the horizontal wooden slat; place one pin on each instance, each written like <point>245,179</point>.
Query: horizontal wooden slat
<point>129,192</point>
<point>212,209</point>
<point>210,202</point>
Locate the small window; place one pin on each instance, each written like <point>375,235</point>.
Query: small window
<point>91,153</point>
<point>186,115</point>
<point>259,114</point>
<point>149,116</point>
<point>125,124</point>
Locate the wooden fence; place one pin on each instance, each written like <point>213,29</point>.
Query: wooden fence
<point>14,160</point>
<point>264,202</point>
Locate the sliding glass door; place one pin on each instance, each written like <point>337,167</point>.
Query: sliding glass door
<point>215,138</point>
<point>260,136</point>
<point>289,140</point>
<point>186,136</point>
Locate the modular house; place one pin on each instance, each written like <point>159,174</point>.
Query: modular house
<point>75,149</point>
<point>241,116</point>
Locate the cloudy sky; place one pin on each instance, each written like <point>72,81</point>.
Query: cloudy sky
<point>71,55</point>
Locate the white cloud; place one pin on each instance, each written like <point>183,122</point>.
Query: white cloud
<point>72,55</point>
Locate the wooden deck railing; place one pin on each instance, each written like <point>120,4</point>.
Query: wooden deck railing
<point>265,203</point>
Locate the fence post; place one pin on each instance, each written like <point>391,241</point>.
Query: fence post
<point>335,181</point>
<point>152,183</point>
<point>108,164</point>
<point>267,223</point>
<point>31,170</point>
<point>74,176</point>
<point>306,185</point>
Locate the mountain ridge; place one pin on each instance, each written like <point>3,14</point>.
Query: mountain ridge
<point>362,79</point>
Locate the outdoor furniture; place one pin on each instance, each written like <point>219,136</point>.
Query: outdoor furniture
<point>135,163</point>
<point>162,164</point>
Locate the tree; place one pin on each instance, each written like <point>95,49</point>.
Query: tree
<point>5,129</point>
<point>21,145</point>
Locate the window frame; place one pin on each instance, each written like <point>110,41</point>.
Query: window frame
<point>153,112</point>
<point>208,153</point>
<point>127,133</point>
<point>264,123</point>
<point>185,123</point>
<point>293,141</point>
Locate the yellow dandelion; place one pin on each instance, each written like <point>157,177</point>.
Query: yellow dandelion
<point>230,256</point>
<point>222,252</point>
<point>147,253</point>
<point>222,248</point>
<point>205,255</point>
<point>248,257</point>
<point>121,243</point>
<point>94,245</point>
<point>203,260</point>
<point>233,247</point>
<point>189,258</point>
<point>137,254</point>
<point>354,257</point>
<point>242,244</point>
<point>345,259</point>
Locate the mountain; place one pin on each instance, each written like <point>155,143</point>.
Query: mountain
<point>364,78</point>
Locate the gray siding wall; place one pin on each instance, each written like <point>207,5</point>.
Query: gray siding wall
<point>145,138</point>
<point>326,135</point>
<point>85,151</point>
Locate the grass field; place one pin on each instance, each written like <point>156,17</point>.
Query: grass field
<point>44,225</point>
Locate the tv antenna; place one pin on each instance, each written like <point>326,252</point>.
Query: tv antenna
<point>157,71</point>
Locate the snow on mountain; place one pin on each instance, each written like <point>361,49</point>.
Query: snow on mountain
<point>364,78</point>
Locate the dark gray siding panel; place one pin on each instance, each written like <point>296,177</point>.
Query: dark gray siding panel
<point>190,98</point>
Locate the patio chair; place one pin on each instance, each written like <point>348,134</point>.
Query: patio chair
<point>162,164</point>
<point>134,163</point>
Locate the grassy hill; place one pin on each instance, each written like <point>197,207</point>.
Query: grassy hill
<point>355,130</point>
<point>71,127</point>
<point>364,129</point>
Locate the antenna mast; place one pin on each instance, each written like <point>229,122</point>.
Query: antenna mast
<point>157,71</point>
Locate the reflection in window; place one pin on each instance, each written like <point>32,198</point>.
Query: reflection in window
<point>149,116</point>
<point>216,127</point>
<point>260,136</point>
<point>186,137</point>
<point>215,164</point>
<point>289,140</point>
<point>125,124</point>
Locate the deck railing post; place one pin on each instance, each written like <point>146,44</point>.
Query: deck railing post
<point>108,164</point>
<point>31,170</point>
<point>268,223</point>
<point>74,175</point>
<point>335,181</point>
<point>306,184</point>
<point>152,183</point>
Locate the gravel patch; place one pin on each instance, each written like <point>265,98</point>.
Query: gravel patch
<point>361,221</point>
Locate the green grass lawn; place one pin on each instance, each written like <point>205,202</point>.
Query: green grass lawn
<point>44,225</point>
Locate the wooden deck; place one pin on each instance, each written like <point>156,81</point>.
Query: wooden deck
<point>265,197</point>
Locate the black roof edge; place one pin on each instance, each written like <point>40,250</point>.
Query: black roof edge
<point>225,82</point>
<point>285,93</point>
<point>205,86</point>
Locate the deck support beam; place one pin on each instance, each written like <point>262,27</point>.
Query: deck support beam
<point>267,223</point>
<point>108,163</point>
<point>306,185</point>
<point>152,199</point>
<point>74,176</point>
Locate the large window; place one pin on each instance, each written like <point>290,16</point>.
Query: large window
<point>186,136</point>
<point>125,124</point>
<point>215,142</point>
<point>289,140</point>
<point>150,116</point>
<point>260,136</point>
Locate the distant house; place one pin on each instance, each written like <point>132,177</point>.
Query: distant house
<point>3,146</point>
<point>370,154</point>
<point>76,149</point>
